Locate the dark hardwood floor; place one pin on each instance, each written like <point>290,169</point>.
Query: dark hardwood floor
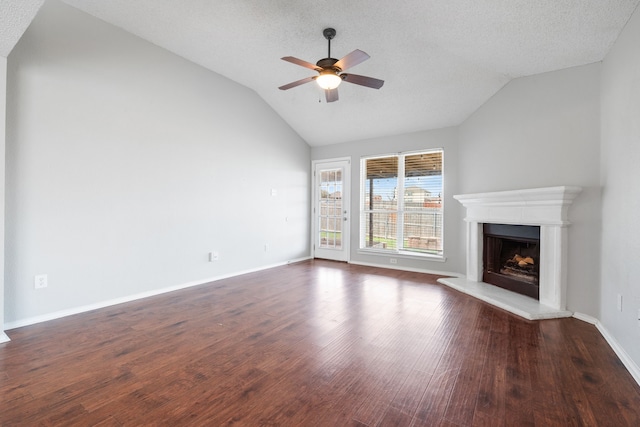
<point>313,343</point>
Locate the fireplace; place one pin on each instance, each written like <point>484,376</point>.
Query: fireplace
<point>511,258</point>
<point>545,209</point>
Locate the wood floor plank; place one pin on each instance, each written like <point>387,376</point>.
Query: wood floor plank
<point>394,418</point>
<point>473,354</point>
<point>445,372</point>
<point>492,387</point>
<point>315,343</point>
<point>561,406</point>
<point>410,393</point>
<point>520,357</point>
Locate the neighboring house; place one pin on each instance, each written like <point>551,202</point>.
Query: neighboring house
<point>416,195</point>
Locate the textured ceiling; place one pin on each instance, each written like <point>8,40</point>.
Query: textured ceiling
<point>440,59</point>
<point>15,17</point>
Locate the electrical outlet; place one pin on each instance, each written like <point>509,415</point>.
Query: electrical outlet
<point>619,302</point>
<point>40,281</point>
<point>393,261</point>
<point>214,256</point>
<point>266,247</point>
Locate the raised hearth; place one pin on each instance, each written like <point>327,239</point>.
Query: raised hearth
<point>544,207</point>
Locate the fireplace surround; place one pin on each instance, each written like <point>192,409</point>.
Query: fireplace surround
<point>546,208</point>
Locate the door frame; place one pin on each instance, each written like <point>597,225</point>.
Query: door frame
<point>346,225</point>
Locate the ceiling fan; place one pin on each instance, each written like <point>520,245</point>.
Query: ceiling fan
<point>330,70</point>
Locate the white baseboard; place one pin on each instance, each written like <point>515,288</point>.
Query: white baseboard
<point>4,337</point>
<point>586,318</point>
<point>415,270</point>
<point>626,360</point>
<point>291,261</point>
<point>108,303</point>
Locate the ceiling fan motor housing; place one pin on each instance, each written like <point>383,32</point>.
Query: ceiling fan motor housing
<point>327,63</point>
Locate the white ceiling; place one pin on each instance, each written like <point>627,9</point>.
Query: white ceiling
<point>440,59</point>
<point>15,17</point>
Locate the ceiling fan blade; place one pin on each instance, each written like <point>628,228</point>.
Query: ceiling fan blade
<point>362,80</point>
<point>331,94</point>
<point>301,62</point>
<point>297,83</point>
<point>352,59</point>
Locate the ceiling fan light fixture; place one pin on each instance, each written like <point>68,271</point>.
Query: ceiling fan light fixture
<point>329,69</point>
<point>328,79</point>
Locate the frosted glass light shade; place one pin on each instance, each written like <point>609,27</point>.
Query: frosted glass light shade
<point>328,80</point>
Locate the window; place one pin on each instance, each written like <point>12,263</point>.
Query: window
<point>401,203</point>
<point>330,209</point>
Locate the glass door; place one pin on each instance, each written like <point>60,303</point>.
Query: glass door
<point>331,210</point>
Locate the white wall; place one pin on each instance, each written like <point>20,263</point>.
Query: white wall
<point>126,165</point>
<point>3,111</point>
<point>621,189</point>
<point>440,138</point>
<point>543,131</point>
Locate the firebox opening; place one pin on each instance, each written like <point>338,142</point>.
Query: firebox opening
<point>512,258</point>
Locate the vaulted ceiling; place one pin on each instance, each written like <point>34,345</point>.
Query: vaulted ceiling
<point>440,59</point>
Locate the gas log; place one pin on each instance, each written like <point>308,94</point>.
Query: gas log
<point>521,267</point>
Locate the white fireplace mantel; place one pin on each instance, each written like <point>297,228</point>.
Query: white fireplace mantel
<point>535,206</point>
<point>544,207</point>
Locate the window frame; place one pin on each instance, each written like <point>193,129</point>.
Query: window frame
<point>400,211</point>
